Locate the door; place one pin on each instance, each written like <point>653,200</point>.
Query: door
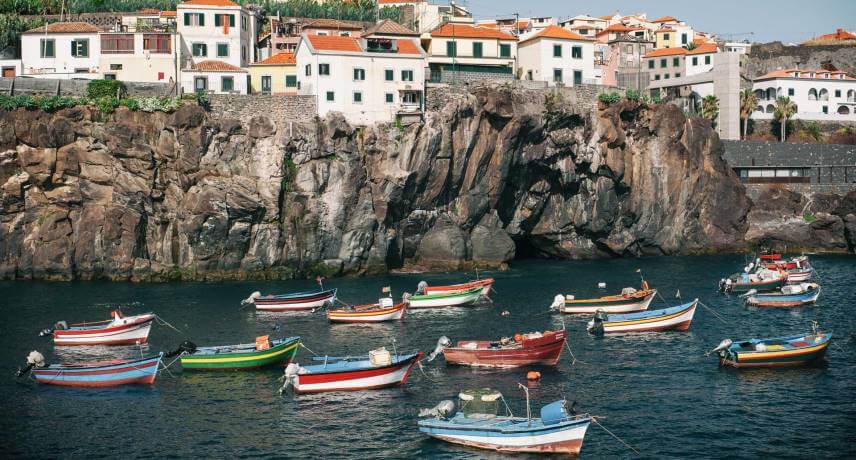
<point>265,84</point>
<point>8,72</point>
<point>578,77</point>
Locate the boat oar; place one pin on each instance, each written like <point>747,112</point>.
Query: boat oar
<point>713,312</point>
<point>594,419</point>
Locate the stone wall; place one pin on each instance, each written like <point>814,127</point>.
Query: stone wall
<point>463,76</point>
<point>580,98</point>
<point>281,109</point>
<point>754,191</point>
<point>75,88</point>
<point>767,57</point>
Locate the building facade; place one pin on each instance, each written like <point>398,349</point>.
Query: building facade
<point>61,50</point>
<point>139,56</point>
<point>557,56</point>
<point>461,51</point>
<point>274,75</point>
<point>819,94</point>
<point>622,64</point>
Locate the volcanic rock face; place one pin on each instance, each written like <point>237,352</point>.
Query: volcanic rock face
<point>187,196</point>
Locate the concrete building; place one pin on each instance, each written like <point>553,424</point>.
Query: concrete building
<point>584,24</point>
<point>557,56</point>
<point>622,64</point>
<point>464,52</point>
<point>274,75</point>
<point>369,80</point>
<point>428,16</point>
<point>737,47</point>
<point>61,50</point>
<point>819,94</point>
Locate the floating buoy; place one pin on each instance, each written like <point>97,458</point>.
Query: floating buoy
<point>601,285</point>
<point>505,313</point>
<point>518,338</point>
<point>533,375</point>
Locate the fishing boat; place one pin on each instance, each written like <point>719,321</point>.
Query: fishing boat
<point>677,318</point>
<point>476,423</point>
<point>770,256</point>
<point>265,352</point>
<point>297,301</point>
<point>629,300</point>
<point>485,284</point>
<point>763,280</point>
<point>93,374</point>
<point>796,350</point>
<point>119,330</point>
<point>380,369</point>
<point>792,295</point>
<point>452,299</point>
<point>384,310</point>
<point>523,349</point>
<point>796,262</point>
<point>798,275</point>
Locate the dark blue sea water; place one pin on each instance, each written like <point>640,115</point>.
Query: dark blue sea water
<point>656,391</point>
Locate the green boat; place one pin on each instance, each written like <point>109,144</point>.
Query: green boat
<point>241,357</point>
<point>449,299</point>
<point>746,282</point>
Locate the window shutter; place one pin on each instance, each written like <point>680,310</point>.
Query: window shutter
<point>201,19</point>
<point>187,19</point>
<point>84,48</point>
<point>231,20</point>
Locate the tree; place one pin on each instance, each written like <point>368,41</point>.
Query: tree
<point>748,102</point>
<point>785,109</point>
<point>710,107</point>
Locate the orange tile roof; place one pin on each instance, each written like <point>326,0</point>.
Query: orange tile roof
<point>334,43</point>
<point>66,28</point>
<point>666,19</point>
<point>619,28</point>
<point>467,31</point>
<point>168,13</point>
<point>667,52</point>
<point>556,32</point>
<point>704,48</point>
<point>840,34</point>
<point>215,66</point>
<point>804,73</point>
<point>209,3</point>
<point>664,29</point>
<point>408,47</point>
<point>278,59</point>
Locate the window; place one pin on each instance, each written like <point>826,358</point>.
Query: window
<point>578,77</point>
<point>358,97</point>
<point>227,84</point>
<point>219,20</point>
<point>243,22</point>
<point>826,109</point>
<point>790,91</point>
<point>837,93</point>
<point>243,53</point>
<point>477,49</point>
<point>117,43</point>
<point>80,47</point>
<point>47,48</point>
<point>200,49</point>
<point>331,96</point>
<point>194,19</point>
<point>323,69</point>
<point>666,77</point>
<point>676,62</point>
<point>410,97</point>
<point>683,39</point>
<point>707,60</point>
<point>557,50</point>
<point>157,43</point>
<point>406,75</point>
<point>451,49</point>
<point>557,75</point>
<point>266,84</point>
<point>109,76</point>
<point>200,84</point>
<point>666,37</point>
<point>695,60</point>
<point>115,66</point>
<point>504,50</point>
<point>290,81</point>
<point>389,75</point>
<point>222,50</point>
<point>678,75</point>
<point>663,63</point>
<point>359,74</point>
<point>344,34</point>
<point>577,52</point>
<point>656,77</point>
<point>651,64</point>
<point>389,98</point>
<point>308,70</point>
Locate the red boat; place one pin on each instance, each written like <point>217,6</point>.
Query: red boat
<point>485,284</point>
<point>533,348</point>
<point>795,263</point>
<point>771,256</point>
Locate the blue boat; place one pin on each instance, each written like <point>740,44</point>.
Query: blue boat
<point>792,295</point>
<point>97,374</point>
<point>677,318</point>
<point>477,424</point>
<point>795,350</point>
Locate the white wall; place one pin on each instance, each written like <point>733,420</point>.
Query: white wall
<point>490,51</point>
<point>64,63</point>
<point>537,56</point>
<point>214,81</point>
<point>142,65</point>
<point>701,67</point>
<point>211,35</point>
<point>809,109</point>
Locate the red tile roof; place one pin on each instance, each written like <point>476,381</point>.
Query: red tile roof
<point>667,52</point>
<point>209,3</point>
<point>556,32</point>
<point>804,73</point>
<point>840,34</point>
<point>215,66</point>
<point>666,19</point>
<point>664,29</point>
<point>467,31</point>
<point>704,48</point>
<point>619,28</point>
<point>66,28</point>
<point>334,43</point>
<point>278,59</point>
<point>168,13</point>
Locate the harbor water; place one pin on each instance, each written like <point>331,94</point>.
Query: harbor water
<point>657,391</point>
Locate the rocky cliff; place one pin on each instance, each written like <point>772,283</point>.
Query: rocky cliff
<point>494,174</point>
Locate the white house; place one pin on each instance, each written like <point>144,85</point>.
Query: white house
<point>369,80</point>
<point>139,56</point>
<point>61,50</point>
<point>557,56</point>
<point>738,47</point>
<point>461,51</point>
<point>217,44</point>
<point>427,16</point>
<point>819,94</point>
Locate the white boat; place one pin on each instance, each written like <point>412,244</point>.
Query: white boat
<point>380,369</point>
<point>384,310</point>
<point>630,300</point>
<point>308,300</point>
<point>452,299</point>
<point>677,318</point>
<point>120,330</point>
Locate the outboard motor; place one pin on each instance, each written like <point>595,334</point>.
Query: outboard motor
<point>60,325</point>
<point>186,347</point>
<point>442,343</point>
<point>290,374</point>
<point>420,288</point>
<point>34,359</point>
<point>251,298</point>
<point>558,302</point>
<point>444,409</point>
<point>595,326</point>
<point>719,348</point>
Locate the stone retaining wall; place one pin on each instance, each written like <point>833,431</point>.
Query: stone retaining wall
<point>281,109</point>
<point>75,88</point>
<point>579,98</point>
<point>754,191</point>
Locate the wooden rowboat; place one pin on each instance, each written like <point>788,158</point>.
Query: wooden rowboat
<point>308,300</point>
<point>139,371</point>
<point>796,262</point>
<point>796,350</point>
<point>793,295</point>
<point>761,281</point>
<point>524,349</point>
<point>677,318</point>
<point>119,330</point>
<point>629,300</point>
<point>243,356</point>
<point>379,369</point>
<point>452,299</point>
<point>485,284</point>
<point>372,313</point>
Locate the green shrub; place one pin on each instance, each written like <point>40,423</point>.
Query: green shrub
<point>632,94</point>
<point>131,104</point>
<point>608,98</point>
<point>202,100</point>
<point>106,104</point>
<point>97,89</point>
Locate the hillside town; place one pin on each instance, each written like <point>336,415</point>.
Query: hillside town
<point>379,72</point>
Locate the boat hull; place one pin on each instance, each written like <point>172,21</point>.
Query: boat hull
<point>309,302</point>
<point>136,331</point>
<point>142,371</point>
<point>376,315</point>
<point>617,306</point>
<point>797,276</point>
<point>783,301</point>
<point>777,358</point>
<point>445,300</point>
<point>281,355</point>
<point>485,284</point>
<point>546,354</point>
<point>356,380</point>
<point>562,440</point>
<point>759,286</point>
<point>677,321</point>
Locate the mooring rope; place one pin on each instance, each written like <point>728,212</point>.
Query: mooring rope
<point>424,374</point>
<point>573,358</point>
<point>594,419</point>
<point>307,348</point>
<point>713,312</point>
<point>163,322</point>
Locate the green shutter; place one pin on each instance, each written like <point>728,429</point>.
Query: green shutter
<point>84,48</point>
<point>187,19</point>
<point>218,20</point>
<point>477,49</point>
<point>451,49</point>
<point>290,81</point>
<point>389,75</point>
<point>231,20</point>
<point>505,51</point>
<point>201,19</point>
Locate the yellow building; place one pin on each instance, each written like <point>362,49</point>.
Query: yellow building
<point>673,36</point>
<point>275,75</point>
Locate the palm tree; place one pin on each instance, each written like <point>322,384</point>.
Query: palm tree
<point>785,109</point>
<point>748,102</point>
<point>710,107</point>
